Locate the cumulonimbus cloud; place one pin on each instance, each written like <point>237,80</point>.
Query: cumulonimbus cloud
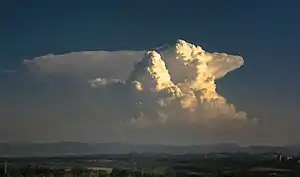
<point>171,86</point>
<point>177,84</point>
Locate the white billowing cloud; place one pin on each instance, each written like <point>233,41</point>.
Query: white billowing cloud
<point>101,82</point>
<point>177,84</point>
<point>166,89</point>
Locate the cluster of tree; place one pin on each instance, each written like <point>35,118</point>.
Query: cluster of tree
<point>53,172</point>
<point>84,172</point>
<point>117,172</point>
<point>127,172</point>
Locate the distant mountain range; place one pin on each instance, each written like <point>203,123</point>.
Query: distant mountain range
<point>77,148</point>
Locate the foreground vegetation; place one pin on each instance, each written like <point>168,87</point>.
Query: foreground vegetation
<point>154,165</point>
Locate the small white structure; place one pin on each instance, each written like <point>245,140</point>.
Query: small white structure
<point>5,168</point>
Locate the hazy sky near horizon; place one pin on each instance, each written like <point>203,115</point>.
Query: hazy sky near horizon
<point>40,107</point>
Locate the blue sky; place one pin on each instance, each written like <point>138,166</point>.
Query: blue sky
<point>265,33</point>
